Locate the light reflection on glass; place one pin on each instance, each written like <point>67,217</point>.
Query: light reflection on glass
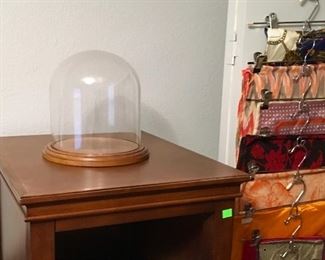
<point>88,80</point>
<point>111,105</point>
<point>77,118</point>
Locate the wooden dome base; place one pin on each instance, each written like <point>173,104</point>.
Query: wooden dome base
<point>53,154</point>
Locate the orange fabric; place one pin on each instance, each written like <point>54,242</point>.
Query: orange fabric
<point>269,190</point>
<point>270,222</point>
<point>283,81</point>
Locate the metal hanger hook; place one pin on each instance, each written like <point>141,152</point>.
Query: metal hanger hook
<point>292,247</point>
<point>312,14</point>
<point>300,143</point>
<point>301,193</point>
<point>305,65</point>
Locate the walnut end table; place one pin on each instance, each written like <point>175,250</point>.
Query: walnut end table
<point>168,207</point>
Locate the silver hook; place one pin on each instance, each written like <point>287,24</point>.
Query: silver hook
<point>303,109</point>
<point>300,143</point>
<point>311,16</point>
<point>297,179</point>
<point>294,210</point>
<point>296,216</point>
<point>306,71</point>
<point>291,249</point>
<point>302,106</point>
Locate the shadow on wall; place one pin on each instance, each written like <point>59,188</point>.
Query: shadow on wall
<point>154,123</point>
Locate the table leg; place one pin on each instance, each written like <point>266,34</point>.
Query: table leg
<point>41,241</point>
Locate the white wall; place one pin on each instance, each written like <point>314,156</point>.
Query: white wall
<point>177,48</point>
<point>240,13</point>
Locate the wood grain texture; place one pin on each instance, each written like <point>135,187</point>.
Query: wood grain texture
<point>136,155</point>
<point>41,241</point>
<point>35,180</point>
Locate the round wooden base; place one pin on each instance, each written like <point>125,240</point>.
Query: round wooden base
<point>67,157</point>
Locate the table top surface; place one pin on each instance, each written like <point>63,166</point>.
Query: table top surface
<point>32,179</point>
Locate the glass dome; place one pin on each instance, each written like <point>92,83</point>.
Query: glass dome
<point>95,112</point>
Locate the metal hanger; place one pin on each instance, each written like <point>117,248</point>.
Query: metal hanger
<point>302,105</point>
<point>297,178</point>
<point>305,24</point>
<point>296,216</point>
<point>292,248</point>
<point>303,109</point>
<point>294,211</point>
<point>255,25</point>
<point>306,70</point>
<point>272,20</point>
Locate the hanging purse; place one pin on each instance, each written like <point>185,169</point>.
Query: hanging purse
<point>281,118</point>
<point>271,153</point>
<point>308,248</point>
<point>270,224</point>
<point>313,44</point>
<point>314,34</point>
<point>284,82</point>
<point>312,50</point>
<point>279,43</point>
<point>273,83</point>
<point>269,190</point>
<point>272,249</point>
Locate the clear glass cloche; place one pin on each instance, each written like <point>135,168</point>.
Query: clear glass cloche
<point>95,112</point>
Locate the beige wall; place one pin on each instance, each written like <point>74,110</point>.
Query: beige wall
<point>176,47</point>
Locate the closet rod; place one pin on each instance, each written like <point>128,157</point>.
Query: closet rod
<point>285,23</point>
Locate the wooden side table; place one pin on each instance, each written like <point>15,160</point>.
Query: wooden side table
<point>168,207</point>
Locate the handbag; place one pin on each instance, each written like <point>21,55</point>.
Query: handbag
<point>271,153</point>
<point>312,49</point>
<point>271,249</point>
<point>280,42</point>
<point>281,118</point>
<point>270,224</point>
<point>308,248</point>
<point>313,44</point>
<point>269,190</point>
<point>273,83</point>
